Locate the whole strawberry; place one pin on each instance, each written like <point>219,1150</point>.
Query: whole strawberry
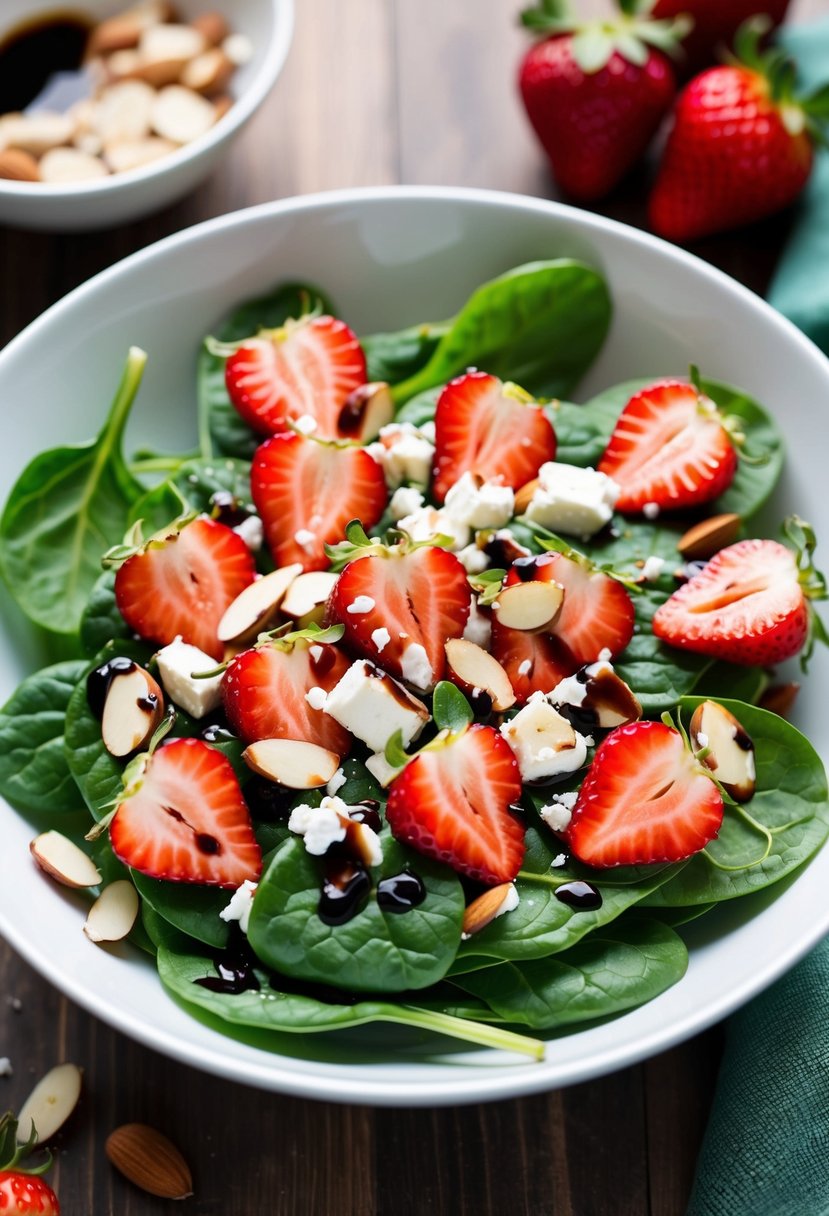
<point>715,24</point>
<point>22,1191</point>
<point>596,92</point>
<point>741,146</point>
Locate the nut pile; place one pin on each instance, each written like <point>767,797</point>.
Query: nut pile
<point>158,84</point>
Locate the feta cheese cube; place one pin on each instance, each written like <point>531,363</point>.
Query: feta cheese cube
<point>405,501</point>
<point>251,532</point>
<point>544,742</point>
<point>577,502</point>
<point>653,568</point>
<point>426,522</point>
<point>473,559</point>
<point>373,706</point>
<point>176,666</point>
<point>405,454</point>
<point>478,503</point>
<point>416,667</point>
<point>380,769</point>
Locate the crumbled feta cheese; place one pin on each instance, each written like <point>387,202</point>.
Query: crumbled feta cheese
<point>510,901</point>
<point>427,430</point>
<point>479,504</point>
<point>320,826</point>
<point>336,783</point>
<point>404,453</point>
<point>240,905</point>
<point>316,697</point>
<point>306,424</point>
<point>560,859</point>
<point>360,605</point>
<point>478,628</point>
<point>251,532</point>
<point>6,1069</point>
<point>380,769</point>
<point>473,559</point>
<point>177,664</point>
<point>544,742</point>
<point>381,638</point>
<point>426,522</point>
<point>405,501</point>
<point>373,706</point>
<point>651,510</point>
<point>577,502</point>
<point>653,568</point>
<point>559,812</point>
<point>305,539</point>
<point>416,667</point>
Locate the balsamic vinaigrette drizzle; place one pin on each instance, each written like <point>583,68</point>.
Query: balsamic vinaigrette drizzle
<point>582,896</point>
<point>99,680</point>
<point>401,892</point>
<point>234,972</point>
<point>346,886</point>
<point>34,51</point>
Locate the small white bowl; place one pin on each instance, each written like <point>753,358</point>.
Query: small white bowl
<point>126,196</point>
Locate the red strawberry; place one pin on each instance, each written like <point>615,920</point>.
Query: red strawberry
<point>596,99</point>
<point>452,802</point>
<point>418,596</point>
<point>490,428</point>
<point>183,818</point>
<point>747,605</point>
<point>24,1194</point>
<point>715,23</point>
<point>534,661</point>
<point>741,148</point>
<point>644,799</point>
<point>264,692</point>
<point>305,488</point>
<point>669,448</point>
<point>308,366</point>
<point>182,582</point>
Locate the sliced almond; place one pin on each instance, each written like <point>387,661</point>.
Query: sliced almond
<point>307,596</point>
<point>292,762</point>
<point>707,537</point>
<point>37,133</point>
<point>780,698</point>
<point>50,1103</point>
<point>117,33</point>
<point>18,166</point>
<point>61,859</point>
<point>529,605</point>
<point>365,410</point>
<point>123,64</point>
<point>113,914</point>
<point>89,142</point>
<point>171,41</point>
<point>71,165</point>
<point>124,111</point>
<point>471,667</point>
<point>208,72</point>
<point>596,696</point>
<point>238,48</point>
<point>133,153</point>
<point>133,708</point>
<point>212,27</point>
<point>731,752</point>
<point>150,1161</point>
<point>256,607</point>
<point>524,496</point>
<point>181,115</point>
<point>483,910</point>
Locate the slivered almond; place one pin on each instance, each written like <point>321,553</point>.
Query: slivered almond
<point>71,165</point>
<point>470,666</point>
<point>208,72</point>
<point>707,537</point>
<point>483,910</point>
<point>37,133</point>
<point>307,596</point>
<point>212,27</point>
<point>133,153</point>
<point>523,497</point>
<point>256,607</point>
<point>113,914</point>
<point>730,750</point>
<point>124,110</point>
<point>365,410</point>
<point>133,708</point>
<point>529,605</point>
<point>181,115</point>
<point>60,858</point>
<point>119,33</point>
<point>160,43</point>
<point>780,698</point>
<point>150,1161</point>
<point>292,762</point>
<point>18,166</point>
<point>122,64</point>
<point>50,1103</point>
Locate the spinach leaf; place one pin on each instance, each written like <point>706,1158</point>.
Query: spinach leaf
<point>767,838</point>
<point>374,950</point>
<point>67,507</point>
<point>421,408</point>
<point>189,908</point>
<point>191,487</point>
<point>541,325</point>
<point>221,429</point>
<point>617,967</point>
<point>34,775</point>
<point>396,356</point>
<point>101,620</point>
<point>729,680</point>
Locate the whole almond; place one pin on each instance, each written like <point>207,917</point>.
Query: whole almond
<point>208,72</point>
<point>18,166</point>
<point>483,910</point>
<point>149,1160</point>
<point>707,537</point>
<point>212,26</point>
<point>523,497</point>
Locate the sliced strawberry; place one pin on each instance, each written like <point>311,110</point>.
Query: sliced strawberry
<point>310,490</point>
<point>184,819</point>
<point>453,803</point>
<point>746,605</point>
<point>597,613</point>
<point>644,799</point>
<point>180,584</point>
<point>490,428</point>
<point>398,599</point>
<point>669,448</point>
<point>264,692</point>
<point>534,661</point>
<point>309,366</point>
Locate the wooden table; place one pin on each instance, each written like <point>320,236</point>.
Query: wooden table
<point>375,92</point>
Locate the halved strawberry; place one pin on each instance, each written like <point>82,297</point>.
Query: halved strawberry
<point>183,818</point>
<point>534,661</point>
<point>645,799</point>
<point>597,613</point>
<point>306,492</point>
<point>399,607</point>
<point>452,802</point>
<point>747,605</point>
<point>265,692</point>
<point>490,428</point>
<point>308,366</point>
<point>669,448</point>
<point>181,582</point>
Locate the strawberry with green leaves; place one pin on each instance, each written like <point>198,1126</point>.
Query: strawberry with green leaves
<point>715,22</point>
<point>23,1192</point>
<point>596,92</point>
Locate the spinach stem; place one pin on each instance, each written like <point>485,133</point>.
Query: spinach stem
<point>470,1032</point>
<point>156,464</point>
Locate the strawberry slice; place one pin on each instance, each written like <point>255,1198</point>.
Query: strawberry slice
<point>597,613</point>
<point>308,366</point>
<point>669,448</point>
<point>180,583</point>
<point>306,492</point>
<point>747,605</point>
<point>490,428</point>
<point>534,661</point>
<point>183,818</point>
<point>644,799</point>
<point>265,692</point>
<point>452,802</point>
<point>399,606</point>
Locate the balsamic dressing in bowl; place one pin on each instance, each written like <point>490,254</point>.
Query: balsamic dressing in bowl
<point>32,52</point>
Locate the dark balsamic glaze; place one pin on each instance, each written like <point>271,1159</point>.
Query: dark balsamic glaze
<point>217,732</point>
<point>148,703</point>
<point>345,890</point>
<point>350,417</point>
<point>322,664</point>
<point>527,567</point>
<point>226,509</point>
<point>266,800</point>
<point>34,51</point>
<point>367,812</point>
<point>234,974</point>
<point>502,551</point>
<point>401,892</point>
<point>582,896</point>
<point>481,703</point>
<point>99,680</point>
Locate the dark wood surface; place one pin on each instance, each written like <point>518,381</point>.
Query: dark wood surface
<point>374,92</point>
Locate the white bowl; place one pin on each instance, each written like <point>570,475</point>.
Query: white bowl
<point>391,257</point>
<point>126,196</point>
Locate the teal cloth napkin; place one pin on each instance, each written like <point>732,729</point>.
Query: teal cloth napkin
<point>766,1148</point>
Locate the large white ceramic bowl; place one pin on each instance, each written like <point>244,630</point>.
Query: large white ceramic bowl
<point>391,257</point>
<point>126,196</point>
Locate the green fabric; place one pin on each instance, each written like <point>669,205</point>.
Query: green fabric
<point>766,1148</point>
